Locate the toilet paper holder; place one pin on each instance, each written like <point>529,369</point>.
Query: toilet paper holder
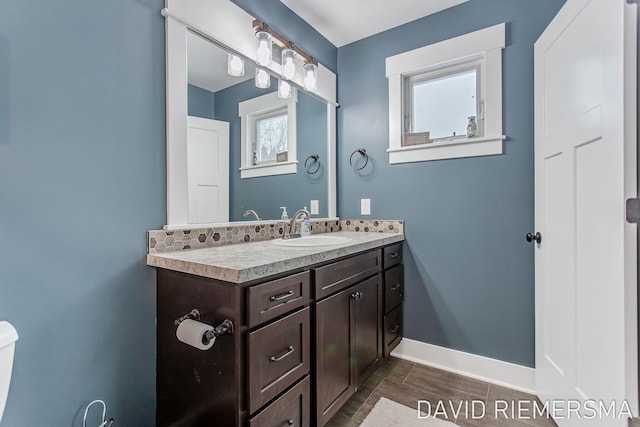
<point>224,328</point>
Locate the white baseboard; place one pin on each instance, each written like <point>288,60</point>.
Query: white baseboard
<point>471,365</point>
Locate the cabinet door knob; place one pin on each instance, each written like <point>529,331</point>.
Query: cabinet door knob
<point>290,423</point>
<point>531,237</point>
<point>355,295</point>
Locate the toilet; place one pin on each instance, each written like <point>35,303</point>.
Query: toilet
<point>8,338</point>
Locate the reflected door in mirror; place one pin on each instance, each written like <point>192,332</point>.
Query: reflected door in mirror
<point>208,170</point>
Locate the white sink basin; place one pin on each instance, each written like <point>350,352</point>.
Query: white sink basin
<point>315,240</point>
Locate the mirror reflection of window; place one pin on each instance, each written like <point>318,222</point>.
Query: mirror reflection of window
<point>271,135</point>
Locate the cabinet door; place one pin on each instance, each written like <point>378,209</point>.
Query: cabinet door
<point>367,326</point>
<point>335,380</point>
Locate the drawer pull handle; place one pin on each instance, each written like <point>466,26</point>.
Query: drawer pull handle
<point>394,329</point>
<point>290,423</point>
<point>280,297</point>
<point>394,255</point>
<point>395,287</point>
<point>283,355</point>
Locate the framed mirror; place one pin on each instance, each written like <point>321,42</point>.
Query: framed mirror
<point>203,100</point>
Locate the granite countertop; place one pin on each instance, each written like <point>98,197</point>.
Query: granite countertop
<point>244,262</point>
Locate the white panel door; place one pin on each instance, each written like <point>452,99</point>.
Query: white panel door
<point>208,170</point>
<point>586,261</point>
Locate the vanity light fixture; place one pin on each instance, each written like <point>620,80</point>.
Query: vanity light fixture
<point>290,54</point>
<point>235,65</point>
<point>284,89</point>
<point>310,76</point>
<point>263,56</point>
<point>263,79</point>
<point>288,64</point>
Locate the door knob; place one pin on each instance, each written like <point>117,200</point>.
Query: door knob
<point>531,237</point>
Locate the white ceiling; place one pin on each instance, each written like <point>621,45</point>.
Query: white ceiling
<point>345,21</point>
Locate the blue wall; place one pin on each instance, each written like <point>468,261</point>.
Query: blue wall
<point>266,194</point>
<point>468,270</point>
<point>82,177</point>
<point>200,102</point>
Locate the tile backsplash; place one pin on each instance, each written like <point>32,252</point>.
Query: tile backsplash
<point>160,241</point>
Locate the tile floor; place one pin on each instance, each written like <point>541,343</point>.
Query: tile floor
<point>407,382</point>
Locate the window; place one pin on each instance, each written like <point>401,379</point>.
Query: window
<point>268,136</point>
<point>441,102</point>
<point>434,92</point>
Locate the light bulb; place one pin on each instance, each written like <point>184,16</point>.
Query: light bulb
<point>263,56</point>
<point>310,76</point>
<point>288,64</point>
<point>235,65</point>
<point>284,89</point>
<point>263,79</point>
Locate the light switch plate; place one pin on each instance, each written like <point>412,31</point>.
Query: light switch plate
<point>365,206</point>
<point>315,208</point>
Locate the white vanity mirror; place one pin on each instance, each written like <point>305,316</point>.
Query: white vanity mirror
<point>216,170</point>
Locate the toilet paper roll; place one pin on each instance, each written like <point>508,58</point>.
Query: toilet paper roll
<point>193,333</point>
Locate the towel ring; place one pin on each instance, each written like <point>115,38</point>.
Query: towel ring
<point>316,160</point>
<point>364,154</point>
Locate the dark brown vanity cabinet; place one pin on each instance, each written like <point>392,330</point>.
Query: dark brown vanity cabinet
<point>258,376</point>
<point>304,342</point>
<point>348,329</point>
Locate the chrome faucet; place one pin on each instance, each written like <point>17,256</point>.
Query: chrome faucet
<point>251,212</point>
<point>291,233</point>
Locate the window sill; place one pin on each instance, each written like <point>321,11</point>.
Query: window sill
<point>281,168</point>
<point>468,147</point>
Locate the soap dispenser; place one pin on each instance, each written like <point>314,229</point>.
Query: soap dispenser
<point>305,229</point>
<point>285,216</point>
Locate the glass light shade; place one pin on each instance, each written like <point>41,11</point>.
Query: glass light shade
<point>310,76</point>
<point>263,56</point>
<point>263,79</point>
<point>284,89</point>
<point>288,64</point>
<point>235,65</point>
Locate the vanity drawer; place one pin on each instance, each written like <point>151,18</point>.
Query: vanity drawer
<point>278,356</point>
<point>291,409</point>
<point>393,288</point>
<point>277,297</point>
<point>342,274</point>
<point>392,255</point>
<point>392,330</point>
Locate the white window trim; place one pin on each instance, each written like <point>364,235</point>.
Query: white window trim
<point>487,42</point>
<point>260,105</point>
